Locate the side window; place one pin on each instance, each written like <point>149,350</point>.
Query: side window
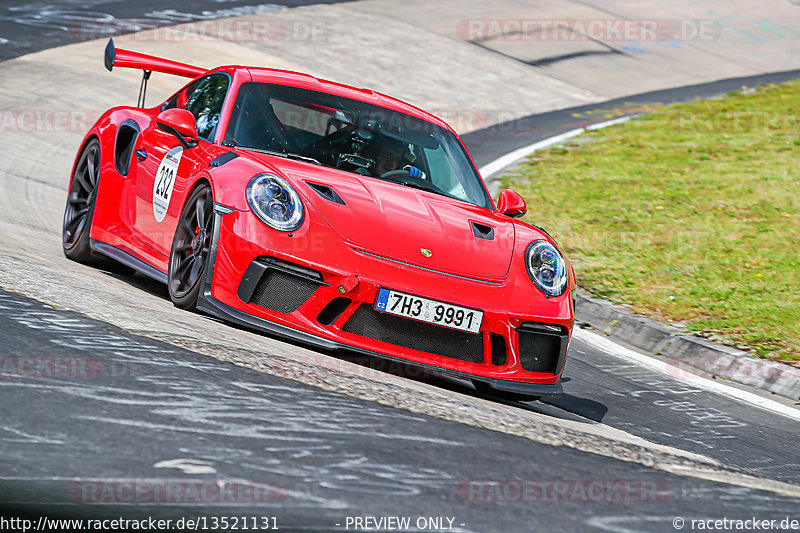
<point>179,98</point>
<point>205,101</point>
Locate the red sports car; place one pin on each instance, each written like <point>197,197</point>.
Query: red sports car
<point>333,215</point>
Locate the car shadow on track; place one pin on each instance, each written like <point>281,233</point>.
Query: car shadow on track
<point>583,407</point>
<point>568,406</point>
<point>146,284</point>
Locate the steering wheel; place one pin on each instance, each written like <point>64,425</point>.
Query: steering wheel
<point>409,170</point>
<point>405,178</point>
<point>392,174</point>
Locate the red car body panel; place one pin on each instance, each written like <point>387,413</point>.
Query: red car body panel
<point>377,236</point>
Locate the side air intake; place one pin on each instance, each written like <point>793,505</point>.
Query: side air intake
<point>482,231</point>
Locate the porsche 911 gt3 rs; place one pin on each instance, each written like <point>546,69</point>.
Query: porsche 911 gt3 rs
<point>333,215</point>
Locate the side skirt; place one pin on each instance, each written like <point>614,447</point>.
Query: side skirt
<point>127,259</point>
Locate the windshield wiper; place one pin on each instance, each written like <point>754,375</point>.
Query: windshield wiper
<point>268,151</point>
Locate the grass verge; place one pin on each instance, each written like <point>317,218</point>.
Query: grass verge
<point>689,214</point>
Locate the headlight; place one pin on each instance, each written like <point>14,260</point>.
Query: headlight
<point>275,202</point>
<point>546,267</point>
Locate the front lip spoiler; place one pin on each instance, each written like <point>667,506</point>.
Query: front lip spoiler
<point>212,306</point>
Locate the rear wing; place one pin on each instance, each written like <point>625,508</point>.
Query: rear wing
<point>127,59</point>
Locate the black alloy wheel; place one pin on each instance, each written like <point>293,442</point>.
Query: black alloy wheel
<point>80,210</point>
<point>191,248</point>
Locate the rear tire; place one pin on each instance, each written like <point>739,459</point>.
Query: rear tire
<point>78,214</point>
<point>191,248</point>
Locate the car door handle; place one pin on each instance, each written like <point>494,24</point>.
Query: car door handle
<point>141,154</point>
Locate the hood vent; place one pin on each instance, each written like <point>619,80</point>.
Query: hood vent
<point>326,192</point>
<point>482,231</point>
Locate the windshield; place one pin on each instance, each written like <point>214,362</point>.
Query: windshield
<point>355,137</point>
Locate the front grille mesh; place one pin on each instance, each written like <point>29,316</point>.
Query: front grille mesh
<point>415,335</point>
<point>282,292</point>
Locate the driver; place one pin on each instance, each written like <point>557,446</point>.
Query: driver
<point>386,159</point>
<point>388,156</point>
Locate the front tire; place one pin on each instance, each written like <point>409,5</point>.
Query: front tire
<point>191,248</point>
<point>78,214</point>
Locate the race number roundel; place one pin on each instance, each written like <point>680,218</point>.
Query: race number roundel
<point>165,180</point>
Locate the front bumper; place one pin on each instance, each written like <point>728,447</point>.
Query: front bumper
<point>242,247</point>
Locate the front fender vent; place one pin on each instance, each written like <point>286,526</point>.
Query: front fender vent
<point>482,231</point>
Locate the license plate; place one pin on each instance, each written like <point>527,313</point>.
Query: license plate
<point>426,310</point>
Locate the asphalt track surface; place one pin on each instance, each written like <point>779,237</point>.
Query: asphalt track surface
<point>92,414</point>
<point>38,25</point>
<point>487,144</point>
<point>87,427</point>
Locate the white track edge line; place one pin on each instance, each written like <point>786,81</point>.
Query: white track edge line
<point>680,374</point>
<point>510,158</point>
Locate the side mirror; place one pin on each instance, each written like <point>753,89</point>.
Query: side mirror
<point>511,204</point>
<point>180,123</point>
